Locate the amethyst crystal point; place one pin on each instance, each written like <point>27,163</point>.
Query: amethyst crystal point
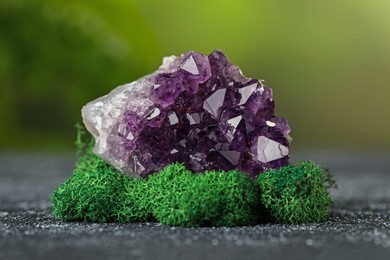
<point>195,109</point>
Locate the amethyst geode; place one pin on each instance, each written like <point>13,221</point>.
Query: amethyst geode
<point>195,109</point>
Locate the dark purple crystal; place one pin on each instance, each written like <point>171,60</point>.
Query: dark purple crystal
<point>207,115</point>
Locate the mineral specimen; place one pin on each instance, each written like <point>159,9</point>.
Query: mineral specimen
<point>195,109</point>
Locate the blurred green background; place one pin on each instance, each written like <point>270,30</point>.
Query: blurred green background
<point>328,62</point>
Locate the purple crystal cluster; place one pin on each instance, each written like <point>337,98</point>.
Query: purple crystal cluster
<point>195,109</point>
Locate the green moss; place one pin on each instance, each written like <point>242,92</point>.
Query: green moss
<point>215,198</point>
<point>100,194</point>
<point>135,205</point>
<point>176,196</point>
<point>296,193</point>
<point>97,192</point>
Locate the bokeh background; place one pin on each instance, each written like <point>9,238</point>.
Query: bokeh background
<point>328,62</point>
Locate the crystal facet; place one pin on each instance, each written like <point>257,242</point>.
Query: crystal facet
<point>195,109</point>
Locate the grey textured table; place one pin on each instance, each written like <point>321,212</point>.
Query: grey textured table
<point>358,228</point>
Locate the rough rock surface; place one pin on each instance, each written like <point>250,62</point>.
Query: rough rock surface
<point>195,109</point>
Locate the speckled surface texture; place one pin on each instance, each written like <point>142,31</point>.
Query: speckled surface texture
<point>358,228</point>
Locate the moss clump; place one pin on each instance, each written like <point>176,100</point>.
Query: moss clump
<point>214,198</point>
<point>92,195</point>
<point>100,194</point>
<point>97,192</point>
<point>296,193</point>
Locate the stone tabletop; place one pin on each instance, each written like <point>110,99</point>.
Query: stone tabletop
<point>358,227</point>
